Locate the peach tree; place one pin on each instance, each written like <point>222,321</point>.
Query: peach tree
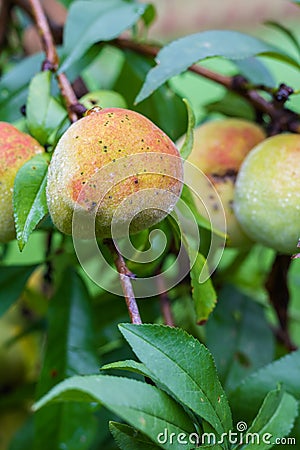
<point>149,225</point>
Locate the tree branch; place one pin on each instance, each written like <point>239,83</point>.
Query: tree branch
<point>166,310</point>
<point>52,61</point>
<point>125,279</point>
<point>277,288</point>
<point>283,119</point>
<point>164,300</point>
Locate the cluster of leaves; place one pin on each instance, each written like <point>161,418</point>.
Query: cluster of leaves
<point>176,386</point>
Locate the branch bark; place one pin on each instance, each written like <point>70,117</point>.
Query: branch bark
<point>125,279</point>
<point>277,287</point>
<point>52,61</point>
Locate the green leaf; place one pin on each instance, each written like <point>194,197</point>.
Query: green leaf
<point>29,198</point>
<point>164,107</point>
<point>234,335</point>
<point>187,145</point>
<point>128,438</point>
<point>130,365</point>
<point>274,420</point>
<point>67,3</point>
<point>14,86</point>
<point>70,351</point>
<point>199,46</point>
<point>232,105</point>
<point>43,112</point>
<point>256,386</point>
<point>149,15</point>
<point>100,22</point>
<point>144,407</point>
<point>12,282</point>
<point>285,31</point>
<point>186,369</point>
<point>204,294</point>
<point>37,105</point>
<point>255,71</point>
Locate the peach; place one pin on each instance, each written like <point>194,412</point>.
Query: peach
<point>16,148</point>
<point>116,164</point>
<point>219,148</point>
<point>267,196</point>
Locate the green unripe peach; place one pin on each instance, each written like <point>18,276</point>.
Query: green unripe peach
<point>16,148</point>
<point>113,158</point>
<point>219,148</point>
<point>18,354</point>
<point>103,97</point>
<point>267,196</point>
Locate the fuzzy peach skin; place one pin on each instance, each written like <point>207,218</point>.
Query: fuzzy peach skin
<point>267,195</point>
<point>16,148</point>
<point>219,148</point>
<point>106,158</point>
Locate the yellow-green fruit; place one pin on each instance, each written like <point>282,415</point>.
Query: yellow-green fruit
<point>219,149</point>
<point>113,158</point>
<point>105,98</point>
<point>16,148</point>
<point>19,360</point>
<point>267,195</point>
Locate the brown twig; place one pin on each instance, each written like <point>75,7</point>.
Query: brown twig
<point>47,285</point>
<point>125,279</point>
<point>52,61</point>
<point>164,300</point>
<point>166,310</point>
<point>278,291</point>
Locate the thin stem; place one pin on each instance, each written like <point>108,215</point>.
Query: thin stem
<point>166,310</point>
<point>277,287</point>
<point>52,61</point>
<point>125,279</point>
<point>48,274</point>
<point>164,301</point>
